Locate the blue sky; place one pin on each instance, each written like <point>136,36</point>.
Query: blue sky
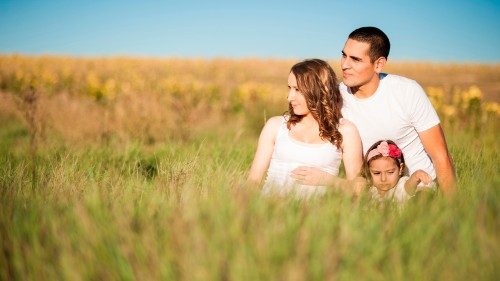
<point>447,31</point>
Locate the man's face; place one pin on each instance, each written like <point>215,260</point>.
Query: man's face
<point>357,68</point>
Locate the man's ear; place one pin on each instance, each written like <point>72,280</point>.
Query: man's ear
<point>379,64</point>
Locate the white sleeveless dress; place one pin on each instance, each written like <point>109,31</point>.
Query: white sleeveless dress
<point>289,154</point>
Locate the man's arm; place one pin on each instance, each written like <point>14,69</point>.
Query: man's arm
<point>435,145</point>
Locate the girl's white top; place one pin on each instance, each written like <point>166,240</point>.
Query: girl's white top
<point>289,154</point>
<point>397,193</point>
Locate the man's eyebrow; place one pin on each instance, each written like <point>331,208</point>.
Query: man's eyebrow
<point>355,58</point>
<point>352,57</point>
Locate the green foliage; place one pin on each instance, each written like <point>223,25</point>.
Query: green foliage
<point>182,211</point>
<point>136,169</point>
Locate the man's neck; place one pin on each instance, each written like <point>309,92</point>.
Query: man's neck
<point>367,90</point>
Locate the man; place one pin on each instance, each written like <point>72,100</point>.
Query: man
<point>391,107</point>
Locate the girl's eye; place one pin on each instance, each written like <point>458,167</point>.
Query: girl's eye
<point>376,173</point>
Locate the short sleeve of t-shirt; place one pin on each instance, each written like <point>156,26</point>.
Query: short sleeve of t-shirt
<point>422,114</point>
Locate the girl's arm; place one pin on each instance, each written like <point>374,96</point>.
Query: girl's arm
<point>417,177</point>
<point>264,150</point>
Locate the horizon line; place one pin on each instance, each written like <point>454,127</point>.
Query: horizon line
<point>235,58</point>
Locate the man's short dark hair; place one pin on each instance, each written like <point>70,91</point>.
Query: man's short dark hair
<point>379,42</point>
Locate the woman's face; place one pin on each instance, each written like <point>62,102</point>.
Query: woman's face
<point>385,173</point>
<point>295,97</point>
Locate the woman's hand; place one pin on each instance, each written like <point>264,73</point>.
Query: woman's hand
<point>311,176</point>
<point>314,176</point>
<point>359,185</point>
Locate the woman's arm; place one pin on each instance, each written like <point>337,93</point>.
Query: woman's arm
<point>352,154</point>
<point>264,150</point>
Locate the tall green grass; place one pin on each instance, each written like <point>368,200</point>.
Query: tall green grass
<point>181,211</point>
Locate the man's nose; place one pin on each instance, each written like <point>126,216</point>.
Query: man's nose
<point>344,63</point>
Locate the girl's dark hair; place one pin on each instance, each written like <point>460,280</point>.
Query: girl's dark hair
<point>316,80</point>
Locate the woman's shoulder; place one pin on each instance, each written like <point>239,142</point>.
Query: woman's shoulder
<point>276,120</point>
<point>347,127</point>
<point>274,123</point>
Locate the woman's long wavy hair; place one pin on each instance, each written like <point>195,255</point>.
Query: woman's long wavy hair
<point>316,80</point>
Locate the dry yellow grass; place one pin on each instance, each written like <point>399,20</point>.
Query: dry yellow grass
<point>128,181</point>
<point>88,100</point>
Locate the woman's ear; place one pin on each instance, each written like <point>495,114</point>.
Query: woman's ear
<point>401,169</point>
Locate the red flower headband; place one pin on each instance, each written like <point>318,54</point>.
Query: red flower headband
<point>384,149</point>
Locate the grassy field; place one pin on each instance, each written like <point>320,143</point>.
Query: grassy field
<point>120,168</point>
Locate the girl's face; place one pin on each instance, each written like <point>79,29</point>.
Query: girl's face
<point>295,97</point>
<point>385,173</point>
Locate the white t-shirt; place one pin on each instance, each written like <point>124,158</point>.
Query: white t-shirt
<point>289,154</point>
<point>397,111</point>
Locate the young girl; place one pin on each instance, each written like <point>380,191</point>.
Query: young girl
<point>302,150</point>
<point>384,167</point>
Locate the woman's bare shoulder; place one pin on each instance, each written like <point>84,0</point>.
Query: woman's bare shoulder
<point>347,127</point>
<point>275,121</point>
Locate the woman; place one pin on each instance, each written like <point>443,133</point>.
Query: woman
<point>302,151</point>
